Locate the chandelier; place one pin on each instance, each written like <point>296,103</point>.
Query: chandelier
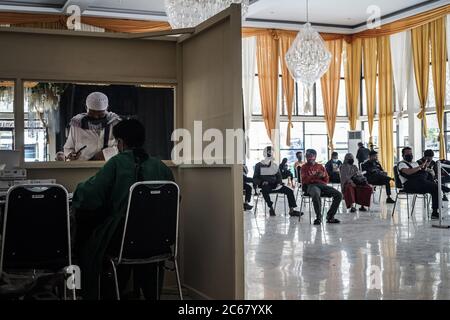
<point>190,13</point>
<point>308,58</point>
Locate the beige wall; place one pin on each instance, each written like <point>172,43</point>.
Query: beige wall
<point>212,195</point>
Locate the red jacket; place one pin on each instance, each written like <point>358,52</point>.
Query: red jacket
<point>308,173</point>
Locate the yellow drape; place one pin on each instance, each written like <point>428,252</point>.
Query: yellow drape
<point>330,87</point>
<point>386,102</point>
<point>420,38</point>
<point>288,82</point>
<point>267,61</point>
<point>439,63</point>
<point>352,75</point>
<point>370,78</point>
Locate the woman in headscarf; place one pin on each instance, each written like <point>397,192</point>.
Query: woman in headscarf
<point>354,185</point>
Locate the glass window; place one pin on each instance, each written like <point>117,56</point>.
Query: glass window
<point>341,136</point>
<point>342,102</point>
<point>431,102</point>
<point>316,137</point>
<point>6,115</point>
<point>297,143</point>
<point>319,99</point>
<point>256,98</point>
<point>374,133</point>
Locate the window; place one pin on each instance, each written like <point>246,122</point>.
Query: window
<point>316,137</point>
<point>341,138</point>
<point>297,142</point>
<point>6,115</point>
<point>374,133</point>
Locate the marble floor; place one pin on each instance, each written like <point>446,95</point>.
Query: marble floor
<point>370,255</point>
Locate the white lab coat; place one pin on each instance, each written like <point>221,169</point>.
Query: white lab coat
<point>93,139</point>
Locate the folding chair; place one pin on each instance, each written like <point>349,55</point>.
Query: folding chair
<point>308,201</point>
<point>36,234</point>
<point>150,232</point>
<point>400,191</point>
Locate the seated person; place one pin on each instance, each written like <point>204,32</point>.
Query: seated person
<point>315,179</point>
<point>376,176</point>
<point>362,154</point>
<point>285,172</point>
<point>247,190</point>
<point>354,185</point>
<point>428,155</point>
<point>101,205</point>
<point>414,178</point>
<point>332,167</point>
<point>268,177</point>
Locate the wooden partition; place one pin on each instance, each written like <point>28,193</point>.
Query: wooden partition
<point>212,240</point>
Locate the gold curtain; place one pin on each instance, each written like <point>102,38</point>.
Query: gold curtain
<point>288,82</point>
<point>352,75</point>
<point>386,102</point>
<point>420,39</point>
<point>330,88</point>
<point>439,63</point>
<point>267,61</point>
<point>370,78</point>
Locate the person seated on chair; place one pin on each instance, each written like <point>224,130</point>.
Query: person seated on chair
<point>101,204</point>
<point>354,185</point>
<point>332,167</point>
<point>298,164</point>
<point>376,176</point>
<point>247,189</point>
<point>414,178</point>
<point>268,177</point>
<point>315,179</point>
<point>428,155</point>
<point>285,172</point>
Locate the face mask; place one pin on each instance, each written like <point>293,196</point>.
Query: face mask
<point>408,157</point>
<point>335,160</point>
<point>351,161</point>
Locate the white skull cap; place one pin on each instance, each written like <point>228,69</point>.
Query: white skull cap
<point>97,101</point>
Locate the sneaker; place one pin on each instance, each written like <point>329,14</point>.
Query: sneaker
<point>444,198</point>
<point>272,212</point>
<point>390,200</point>
<point>333,220</point>
<point>295,213</point>
<point>247,207</point>
<point>317,222</point>
<point>352,209</point>
<point>362,209</point>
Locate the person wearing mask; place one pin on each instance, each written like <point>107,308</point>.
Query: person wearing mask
<point>247,189</point>
<point>333,167</point>
<point>376,176</point>
<point>315,178</point>
<point>100,205</point>
<point>362,154</point>
<point>355,188</point>
<point>414,178</point>
<point>285,172</point>
<point>432,170</point>
<point>91,132</point>
<point>268,177</point>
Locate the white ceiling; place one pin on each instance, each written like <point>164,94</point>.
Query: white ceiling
<point>330,15</point>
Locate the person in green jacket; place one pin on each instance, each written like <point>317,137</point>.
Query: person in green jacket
<point>100,204</point>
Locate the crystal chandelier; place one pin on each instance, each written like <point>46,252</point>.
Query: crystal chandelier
<point>190,13</point>
<point>308,58</point>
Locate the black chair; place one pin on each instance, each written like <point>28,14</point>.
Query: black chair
<point>36,234</point>
<point>380,186</point>
<point>150,232</point>
<point>400,191</point>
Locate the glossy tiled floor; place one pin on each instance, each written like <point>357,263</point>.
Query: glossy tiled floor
<point>370,255</point>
